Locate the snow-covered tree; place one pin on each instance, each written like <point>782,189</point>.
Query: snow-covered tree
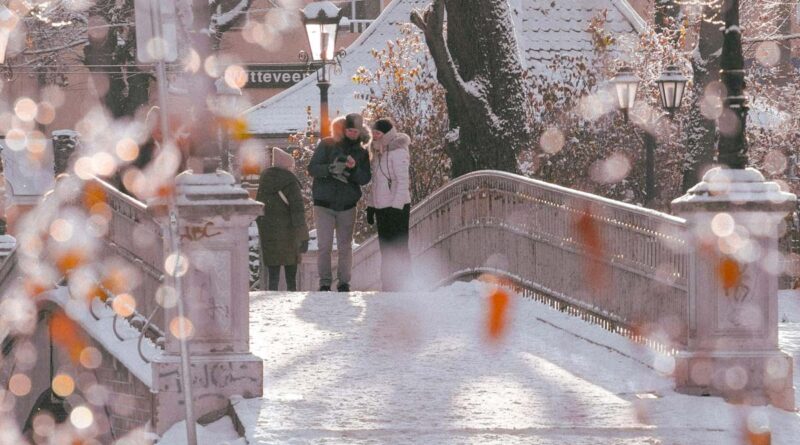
<point>403,86</point>
<point>700,131</point>
<point>477,62</point>
<point>111,53</point>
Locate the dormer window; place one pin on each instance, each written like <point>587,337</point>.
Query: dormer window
<point>360,13</point>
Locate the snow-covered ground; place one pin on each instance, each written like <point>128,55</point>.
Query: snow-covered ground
<point>374,368</point>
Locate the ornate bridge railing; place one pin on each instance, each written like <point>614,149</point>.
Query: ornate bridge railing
<point>134,236</point>
<point>616,264</point>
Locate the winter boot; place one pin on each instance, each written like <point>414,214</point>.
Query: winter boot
<point>343,287</point>
<point>325,288</point>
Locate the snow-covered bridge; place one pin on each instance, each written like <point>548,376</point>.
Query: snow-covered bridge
<point>418,368</point>
<point>644,274</point>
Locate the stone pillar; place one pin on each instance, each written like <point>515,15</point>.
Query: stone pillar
<point>7,245</point>
<point>734,218</point>
<point>213,217</point>
<point>27,178</point>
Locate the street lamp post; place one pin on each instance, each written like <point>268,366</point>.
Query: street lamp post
<point>671,85</point>
<point>227,108</point>
<point>321,20</point>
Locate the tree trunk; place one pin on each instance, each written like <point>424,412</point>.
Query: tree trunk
<point>701,131</point>
<point>784,17</point>
<point>478,65</point>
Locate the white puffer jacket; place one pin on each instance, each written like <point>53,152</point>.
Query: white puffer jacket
<point>390,162</point>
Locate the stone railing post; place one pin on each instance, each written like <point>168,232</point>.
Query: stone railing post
<point>733,352</point>
<point>27,179</point>
<point>213,218</point>
<point>7,245</point>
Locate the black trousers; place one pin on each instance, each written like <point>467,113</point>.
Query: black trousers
<point>289,273</point>
<point>393,241</point>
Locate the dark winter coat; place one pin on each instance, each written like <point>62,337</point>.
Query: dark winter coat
<point>282,227</point>
<point>328,191</point>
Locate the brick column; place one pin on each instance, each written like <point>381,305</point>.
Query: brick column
<point>734,215</point>
<point>213,216</point>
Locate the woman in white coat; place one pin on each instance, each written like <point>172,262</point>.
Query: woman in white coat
<point>389,203</point>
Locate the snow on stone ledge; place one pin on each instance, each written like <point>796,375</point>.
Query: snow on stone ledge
<point>221,431</point>
<point>735,185</point>
<point>126,352</point>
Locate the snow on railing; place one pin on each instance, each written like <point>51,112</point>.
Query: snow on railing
<point>617,264</point>
<point>134,236</point>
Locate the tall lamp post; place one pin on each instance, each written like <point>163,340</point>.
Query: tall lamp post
<point>732,146</point>
<point>671,85</point>
<point>321,20</point>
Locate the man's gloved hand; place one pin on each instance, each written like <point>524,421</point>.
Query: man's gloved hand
<point>303,247</point>
<point>370,215</point>
<point>342,177</point>
<point>337,167</point>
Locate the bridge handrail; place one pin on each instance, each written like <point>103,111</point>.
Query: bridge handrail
<point>129,215</point>
<point>606,214</point>
<point>8,264</point>
<point>511,177</point>
<point>515,224</point>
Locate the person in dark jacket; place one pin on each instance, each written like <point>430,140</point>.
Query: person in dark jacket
<point>282,228</point>
<point>339,166</point>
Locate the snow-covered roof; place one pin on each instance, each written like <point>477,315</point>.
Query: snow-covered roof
<point>544,28</point>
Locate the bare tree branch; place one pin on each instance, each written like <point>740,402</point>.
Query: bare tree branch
<point>431,22</point>
<point>776,38</point>
<point>57,48</point>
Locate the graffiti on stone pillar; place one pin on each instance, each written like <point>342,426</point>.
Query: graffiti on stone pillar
<point>209,293</point>
<point>210,376</point>
<point>196,232</point>
<point>736,307</point>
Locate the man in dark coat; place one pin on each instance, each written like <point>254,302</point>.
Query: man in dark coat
<point>340,166</point>
<point>282,228</point>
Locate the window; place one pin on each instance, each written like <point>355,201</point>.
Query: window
<point>360,13</point>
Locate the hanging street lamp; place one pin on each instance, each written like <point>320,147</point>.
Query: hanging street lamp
<point>626,82</point>
<point>671,85</point>
<point>321,20</point>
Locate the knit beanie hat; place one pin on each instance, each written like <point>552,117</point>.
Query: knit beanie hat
<point>383,125</point>
<point>281,159</point>
<point>353,120</point>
